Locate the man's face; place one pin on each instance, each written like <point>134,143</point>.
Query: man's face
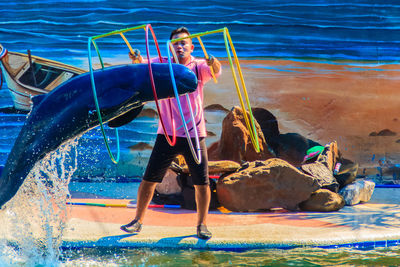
<point>183,48</point>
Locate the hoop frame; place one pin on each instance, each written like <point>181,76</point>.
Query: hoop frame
<point>250,124</point>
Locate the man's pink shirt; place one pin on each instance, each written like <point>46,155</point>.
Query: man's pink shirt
<point>196,99</point>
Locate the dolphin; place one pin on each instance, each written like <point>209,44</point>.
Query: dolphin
<point>69,110</point>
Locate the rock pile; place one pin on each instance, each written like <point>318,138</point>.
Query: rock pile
<point>235,142</point>
<point>265,181</point>
<point>264,185</point>
<point>280,176</point>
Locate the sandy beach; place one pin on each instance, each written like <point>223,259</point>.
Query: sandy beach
<point>348,102</point>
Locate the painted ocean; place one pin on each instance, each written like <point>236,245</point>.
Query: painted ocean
<point>355,30</point>
<point>328,70</point>
<point>361,33</point>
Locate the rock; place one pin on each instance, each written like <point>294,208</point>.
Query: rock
<point>235,140</point>
<point>329,156</point>
<point>176,167</point>
<point>178,163</point>
<point>269,126</point>
<point>359,191</point>
<point>189,193</point>
<point>140,146</point>
<point>384,132</point>
<point>217,167</point>
<point>180,160</point>
<point>216,107</point>
<point>169,184</point>
<point>347,172</point>
<point>292,147</point>
<point>322,168</point>
<point>264,185</point>
<point>322,174</point>
<point>323,200</point>
<point>235,143</point>
<point>222,166</point>
<point>209,133</point>
<point>213,151</point>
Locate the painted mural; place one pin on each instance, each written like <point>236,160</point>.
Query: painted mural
<point>323,71</point>
<point>327,71</point>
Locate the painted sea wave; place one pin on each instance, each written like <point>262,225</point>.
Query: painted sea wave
<point>350,30</point>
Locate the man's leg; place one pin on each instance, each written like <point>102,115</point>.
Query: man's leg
<point>159,161</point>
<point>145,194</point>
<point>203,197</point>
<point>199,174</point>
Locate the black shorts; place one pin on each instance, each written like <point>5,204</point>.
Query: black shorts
<point>163,154</point>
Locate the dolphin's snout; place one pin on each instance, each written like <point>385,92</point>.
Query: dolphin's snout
<point>187,81</point>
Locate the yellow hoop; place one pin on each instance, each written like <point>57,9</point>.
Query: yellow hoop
<point>121,33</point>
<point>206,56</point>
<point>250,124</point>
<point>127,42</point>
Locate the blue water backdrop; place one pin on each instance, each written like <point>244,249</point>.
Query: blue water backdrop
<point>337,29</point>
<point>358,30</point>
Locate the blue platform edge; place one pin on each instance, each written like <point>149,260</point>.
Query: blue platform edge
<point>174,243</point>
<point>387,186</point>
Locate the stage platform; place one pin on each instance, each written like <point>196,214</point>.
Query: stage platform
<point>372,224</point>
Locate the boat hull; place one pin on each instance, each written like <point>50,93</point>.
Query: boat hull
<point>19,70</point>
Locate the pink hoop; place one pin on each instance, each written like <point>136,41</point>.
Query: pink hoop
<point>3,53</point>
<point>1,77</point>
<point>153,86</point>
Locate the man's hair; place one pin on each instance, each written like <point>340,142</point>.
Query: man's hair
<point>179,30</point>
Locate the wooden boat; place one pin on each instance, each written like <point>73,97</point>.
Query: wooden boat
<point>27,76</point>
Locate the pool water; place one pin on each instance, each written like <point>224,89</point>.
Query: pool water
<point>265,257</point>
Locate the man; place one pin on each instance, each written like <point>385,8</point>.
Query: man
<point>163,154</point>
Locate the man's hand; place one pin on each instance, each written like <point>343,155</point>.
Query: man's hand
<point>213,63</point>
<point>135,56</point>
<point>210,60</point>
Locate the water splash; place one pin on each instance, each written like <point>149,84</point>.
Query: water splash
<point>35,218</point>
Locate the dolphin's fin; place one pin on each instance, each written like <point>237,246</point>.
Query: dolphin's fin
<point>37,99</point>
<point>125,118</point>
<point>112,98</point>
